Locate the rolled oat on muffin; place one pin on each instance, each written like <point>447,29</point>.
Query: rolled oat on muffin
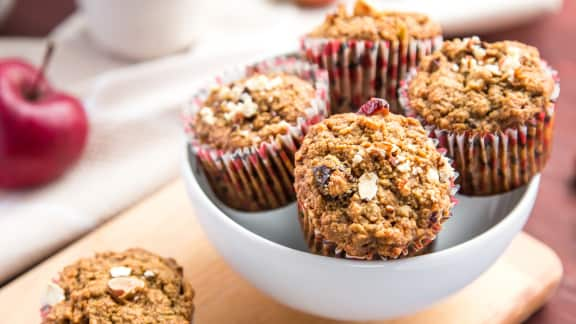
<point>368,52</point>
<point>134,286</point>
<point>371,185</point>
<point>246,127</point>
<point>491,105</point>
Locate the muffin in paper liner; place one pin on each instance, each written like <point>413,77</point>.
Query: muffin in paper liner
<point>361,69</point>
<point>497,162</point>
<point>259,177</point>
<point>319,244</point>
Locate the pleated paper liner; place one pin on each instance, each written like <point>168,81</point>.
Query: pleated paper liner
<point>318,244</point>
<point>359,70</point>
<point>259,177</point>
<point>492,163</point>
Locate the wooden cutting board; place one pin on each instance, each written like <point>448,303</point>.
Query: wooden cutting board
<point>517,285</point>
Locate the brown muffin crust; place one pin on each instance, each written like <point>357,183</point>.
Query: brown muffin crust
<point>134,286</point>
<point>373,185</point>
<point>252,110</point>
<point>473,85</point>
<point>368,23</point>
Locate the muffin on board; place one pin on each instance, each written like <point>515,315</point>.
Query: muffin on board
<point>134,286</point>
<point>491,105</point>
<point>368,52</point>
<point>371,185</point>
<point>246,127</point>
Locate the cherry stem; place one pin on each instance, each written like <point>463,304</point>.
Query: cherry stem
<point>45,62</point>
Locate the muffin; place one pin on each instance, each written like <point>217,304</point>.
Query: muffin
<point>491,105</point>
<point>246,129</point>
<point>372,185</point>
<point>367,53</point>
<point>134,286</point>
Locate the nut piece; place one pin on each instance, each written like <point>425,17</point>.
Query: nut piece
<point>432,175</point>
<point>357,158</point>
<point>149,274</point>
<point>404,167</point>
<point>367,187</point>
<point>125,287</point>
<point>207,115</point>
<point>53,295</point>
<point>116,272</point>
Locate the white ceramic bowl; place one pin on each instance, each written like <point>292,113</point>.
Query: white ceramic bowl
<point>268,250</point>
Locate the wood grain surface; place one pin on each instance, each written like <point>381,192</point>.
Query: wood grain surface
<point>554,217</point>
<point>164,223</point>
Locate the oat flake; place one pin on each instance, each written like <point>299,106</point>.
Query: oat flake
<point>116,272</point>
<point>367,185</point>
<point>53,295</point>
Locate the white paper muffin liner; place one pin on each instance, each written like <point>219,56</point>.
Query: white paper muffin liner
<point>360,69</point>
<point>492,163</point>
<point>259,177</point>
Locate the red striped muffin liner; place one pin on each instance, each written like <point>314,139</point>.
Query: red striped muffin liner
<point>359,70</point>
<point>259,177</point>
<point>318,244</point>
<point>492,163</point>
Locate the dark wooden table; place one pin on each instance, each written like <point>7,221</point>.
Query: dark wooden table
<point>554,217</point>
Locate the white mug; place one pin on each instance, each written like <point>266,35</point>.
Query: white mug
<point>140,29</point>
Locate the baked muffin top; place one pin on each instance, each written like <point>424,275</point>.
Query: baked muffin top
<point>134,286</point>
<point>252,110</point>
<point>373,185</point>
<point>367,23</point>
<point>473,85</point>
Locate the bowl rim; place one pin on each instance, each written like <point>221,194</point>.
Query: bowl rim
<point>495,230</point>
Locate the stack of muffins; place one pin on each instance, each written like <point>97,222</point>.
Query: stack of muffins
<point>379,183</point>
<point>375,184</point>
